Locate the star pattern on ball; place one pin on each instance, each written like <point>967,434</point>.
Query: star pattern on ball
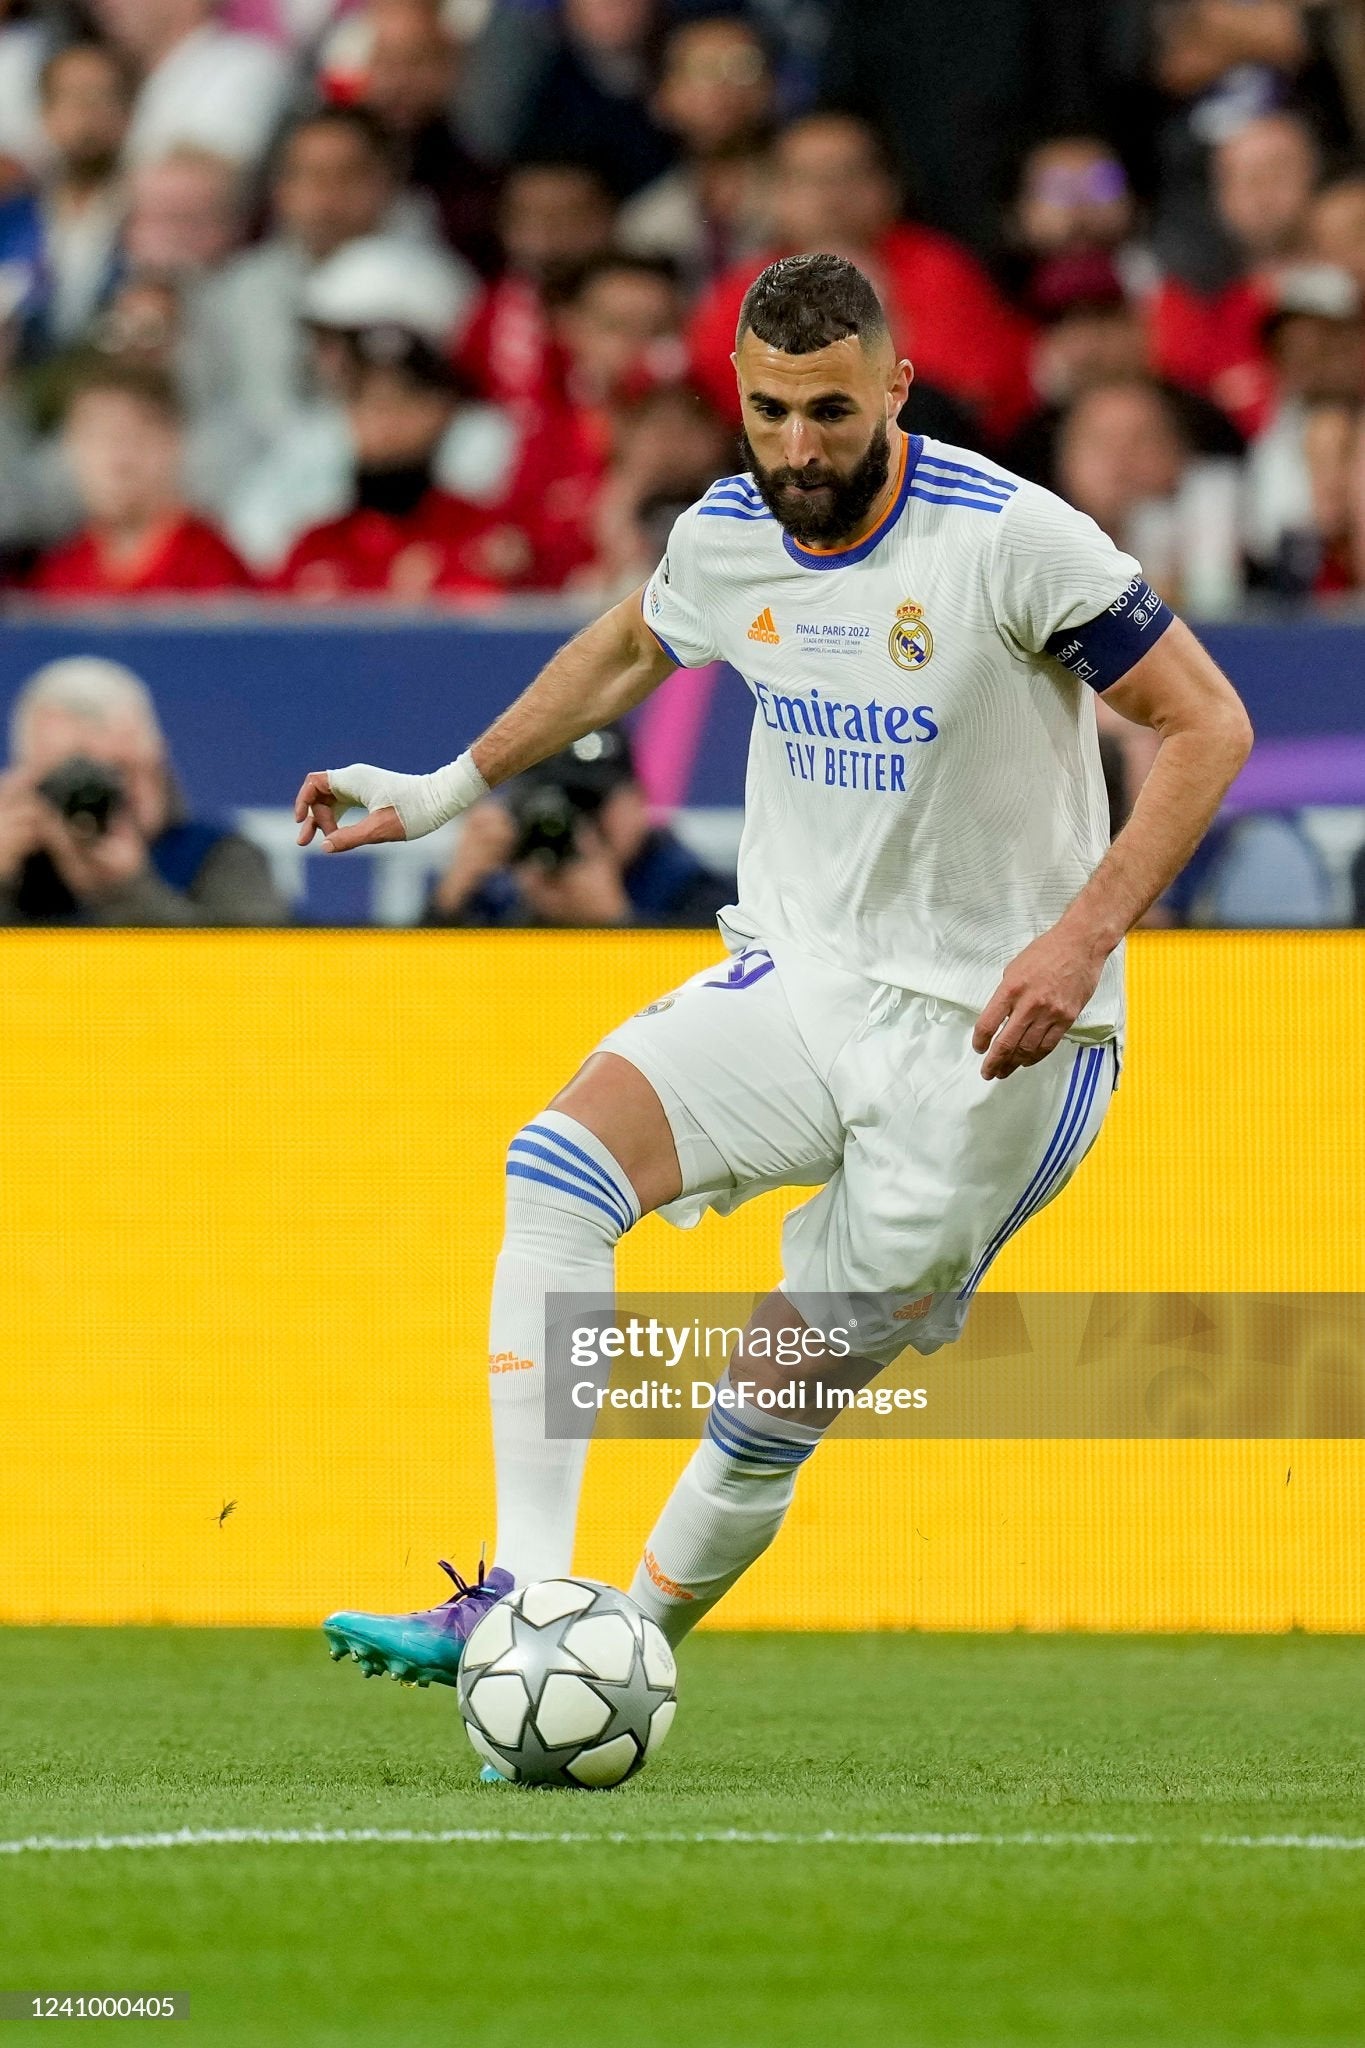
<point>609,1660</point>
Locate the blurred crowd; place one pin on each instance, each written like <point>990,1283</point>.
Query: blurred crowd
<point>349,299</point>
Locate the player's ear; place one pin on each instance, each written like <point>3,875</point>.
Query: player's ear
<point>899,389</point>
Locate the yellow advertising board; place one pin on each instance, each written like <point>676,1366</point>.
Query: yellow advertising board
<point>253,1189</point>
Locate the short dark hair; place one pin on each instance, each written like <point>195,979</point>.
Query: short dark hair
<point>551,166</point>
<point>142,382</point>
<point>803,303</point>
<point>365,126</point>
<point>87,46</point>
<point>613,263</point>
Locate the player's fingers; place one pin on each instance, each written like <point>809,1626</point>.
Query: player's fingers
<point>314,786</point>
<point>1003,1056</point>
<point>322,817</point>
<point>991,1018</point>
<point>1027,1049</point>
<point>1030,1041</point>
<point>379,828</point>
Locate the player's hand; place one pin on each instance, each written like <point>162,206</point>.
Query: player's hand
<point>1041,994</point>
<point>318,802</point>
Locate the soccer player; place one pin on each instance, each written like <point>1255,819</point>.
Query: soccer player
<point>923,1008</point>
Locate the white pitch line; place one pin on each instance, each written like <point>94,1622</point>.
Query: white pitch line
<point>202,1838</point>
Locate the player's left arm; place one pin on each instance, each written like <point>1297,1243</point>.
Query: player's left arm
<point>1203,737</point>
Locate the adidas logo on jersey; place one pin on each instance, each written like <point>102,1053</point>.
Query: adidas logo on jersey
<point>764,629</point>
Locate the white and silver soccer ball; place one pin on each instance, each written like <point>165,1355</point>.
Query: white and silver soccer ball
<point>566,1682</point>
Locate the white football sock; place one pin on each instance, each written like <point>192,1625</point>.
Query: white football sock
<point>567,1204</point>
<point>723,1513</point>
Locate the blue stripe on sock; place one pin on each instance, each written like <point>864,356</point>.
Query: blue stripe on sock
<point>749,1446</point>
<point>516,1171</point>
<point>749,1432</point>
<point>739,1455</point>
<point>624,1193</point>
<point>522,1146</point>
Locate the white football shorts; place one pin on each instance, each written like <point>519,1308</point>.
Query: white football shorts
<point>776,1070</point>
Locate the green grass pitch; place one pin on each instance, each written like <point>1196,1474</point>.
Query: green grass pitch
<point>1187,1937</point>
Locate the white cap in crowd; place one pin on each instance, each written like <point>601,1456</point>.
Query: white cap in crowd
<point>384,280</point>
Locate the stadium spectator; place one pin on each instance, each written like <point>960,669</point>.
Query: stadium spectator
<point>1264,176</point>
<point>1090,331</point>
<point>304,474</point>
<point>1357,506</point>
<point>334,183</point>
<point>1216,65</point>
<point>572,843</point>
<point>552,218</point>
<point>1074,200</point>
<point>962,88</point>
<point>285,21</point>
<point>1087,332</point>
<point>618,336</point>
<point>124,440</point>
<point>620,329</point>
<point>589,99</point>
<point>62,237</point>
<point>25,45</point>
<point>201,84</point>
<point>342,56</point>
<point>668,448</point>
<point>408,85</point>
<point>1315,338</point>
<point>1319,560</point>
<point>403,536</point>
<point>1336,225</point>
<point>834,190</point>
<point>94,827</point>
<point>144,328</point>
<point>711,210</point>
<point>184,215</point>
<point>1124,455</point>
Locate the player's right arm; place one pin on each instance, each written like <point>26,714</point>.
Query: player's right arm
<point>598,676</point>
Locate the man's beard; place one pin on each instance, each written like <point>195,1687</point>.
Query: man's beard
<point>91,166</point>
<point>839,507</point>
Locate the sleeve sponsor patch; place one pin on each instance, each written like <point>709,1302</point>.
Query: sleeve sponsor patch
<point>1103,650</point>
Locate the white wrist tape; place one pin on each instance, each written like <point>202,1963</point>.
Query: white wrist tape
<point>422,801</point>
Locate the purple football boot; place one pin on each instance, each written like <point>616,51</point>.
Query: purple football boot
<point>422,1647</point>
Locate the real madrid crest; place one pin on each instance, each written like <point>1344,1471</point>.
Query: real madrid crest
<point>911,643</point>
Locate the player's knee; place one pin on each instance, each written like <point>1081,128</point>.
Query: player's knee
<point>559,1175</point>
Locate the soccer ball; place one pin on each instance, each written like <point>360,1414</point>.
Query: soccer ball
<point>566,1682</point>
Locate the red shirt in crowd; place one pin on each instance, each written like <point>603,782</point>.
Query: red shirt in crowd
<point>945,314</point>
<point>440,547</point>
<point>1213,345</point>
<point>508,351</point>
<point>185,557</point>
<point>448,547</point>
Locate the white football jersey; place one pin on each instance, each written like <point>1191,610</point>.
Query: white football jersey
<point>924,792</point>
